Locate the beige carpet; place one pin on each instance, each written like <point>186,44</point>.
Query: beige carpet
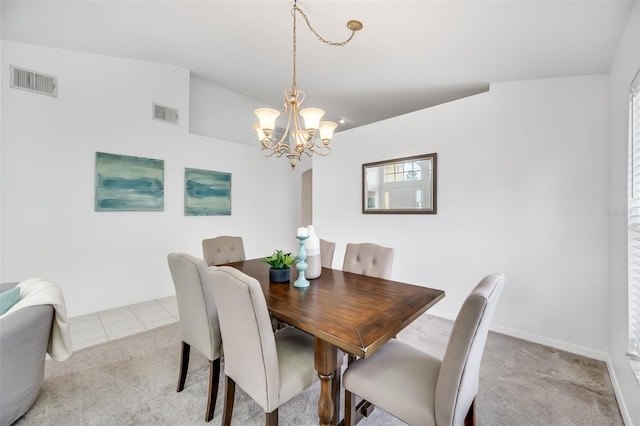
<point>132,381</point>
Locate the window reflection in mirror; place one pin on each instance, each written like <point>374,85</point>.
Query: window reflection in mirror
<point>401,185</point>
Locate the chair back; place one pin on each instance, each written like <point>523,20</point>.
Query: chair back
<point>223,249</point>
<point>199,324</point>
<point>250,353</point>
<point>368,259</point>
<point>460,370</point>
<point>327,248</point>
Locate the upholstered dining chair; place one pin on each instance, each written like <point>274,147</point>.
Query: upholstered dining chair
<point>270,367</point>
<point>419,388</point>
<point>199,326</point>
<point>368,259</point>
<point>327,248</point>
<point>222,249</point>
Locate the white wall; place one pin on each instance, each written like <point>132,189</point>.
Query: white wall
<point>220,113</point>
<point>624,67</point>
<point>107,259</point>
<point>522,189</point>
<point>2,89</point>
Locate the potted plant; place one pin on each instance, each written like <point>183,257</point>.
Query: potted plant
<point>280,263</point>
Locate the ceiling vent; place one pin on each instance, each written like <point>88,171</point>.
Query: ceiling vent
<point>34,81</point>
<point>166,114</point>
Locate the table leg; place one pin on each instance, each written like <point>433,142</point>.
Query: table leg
<point>326,363</point>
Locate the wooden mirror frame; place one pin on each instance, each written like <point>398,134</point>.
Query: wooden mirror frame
<point>371,197</point>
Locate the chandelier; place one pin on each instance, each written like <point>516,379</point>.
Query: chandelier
<point>315,136</point>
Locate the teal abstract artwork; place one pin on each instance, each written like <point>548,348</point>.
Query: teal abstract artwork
<point>207,193</point>
<point>125,183</point>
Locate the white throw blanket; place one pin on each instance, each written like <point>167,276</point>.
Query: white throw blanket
<point>36,291</point>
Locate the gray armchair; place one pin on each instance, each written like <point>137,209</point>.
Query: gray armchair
<point>368,259</point>
<point>270,367</point>
<point>199,326</point>
<point>24,336</point>
<point>419,388</point>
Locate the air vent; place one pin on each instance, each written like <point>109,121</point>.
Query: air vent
<point>166,114</point>
<point>34,81</point>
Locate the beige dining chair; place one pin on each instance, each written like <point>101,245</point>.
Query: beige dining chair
<point>199,326</point>
<point>368,259</point>
<point>419,388</point>
<point>222,249</point>
<point>327,248</point>
<point>270,367</point>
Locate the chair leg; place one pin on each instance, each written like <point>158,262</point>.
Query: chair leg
<point>335,393</point>
<point>185,350</point>
<point>470,418</point>
<point>272,418</point>
<point>214,379</point>
<point>229,393</point>
<point>349,408</point>
<point>366,408</point>
<point>277,325</point>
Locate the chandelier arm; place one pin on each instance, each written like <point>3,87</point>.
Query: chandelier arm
<point>285,108</point>
<point>322,39</point>
<point>277,147</point>
<point>309,142</point>
<point>296,134</point>
<point>322,151</point>
<point>280,147</point>
<point>267,152</point>
<point>282,144</point>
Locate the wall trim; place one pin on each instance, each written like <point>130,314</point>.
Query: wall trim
<point>624,411</point>
<point>535,338</point>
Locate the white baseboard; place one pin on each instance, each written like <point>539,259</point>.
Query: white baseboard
<point>535,338</point>
<point>441,314</point>
<point>558,344</point>
<point>624,411</point>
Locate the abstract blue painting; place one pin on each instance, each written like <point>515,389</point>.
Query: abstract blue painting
<point>126,183</point>
<point>207,193</point>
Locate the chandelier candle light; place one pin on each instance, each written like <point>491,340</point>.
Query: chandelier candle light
<point>315,137</point>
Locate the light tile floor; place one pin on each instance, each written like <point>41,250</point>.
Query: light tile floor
<point>100,327</point>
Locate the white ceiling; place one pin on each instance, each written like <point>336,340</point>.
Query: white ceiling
<point>410,54</point>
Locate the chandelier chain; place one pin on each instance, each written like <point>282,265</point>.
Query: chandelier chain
<point>294,45</point>
<point>322,39</point>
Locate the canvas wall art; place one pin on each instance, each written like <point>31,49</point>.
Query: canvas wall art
<point>207,193</point>
<point>125,183</point>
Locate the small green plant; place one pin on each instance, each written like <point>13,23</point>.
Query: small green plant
<point>280,260</point>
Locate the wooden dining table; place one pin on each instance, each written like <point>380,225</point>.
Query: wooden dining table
<point>351,312</point>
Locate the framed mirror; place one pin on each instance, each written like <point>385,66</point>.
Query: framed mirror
<point>401,185</point>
